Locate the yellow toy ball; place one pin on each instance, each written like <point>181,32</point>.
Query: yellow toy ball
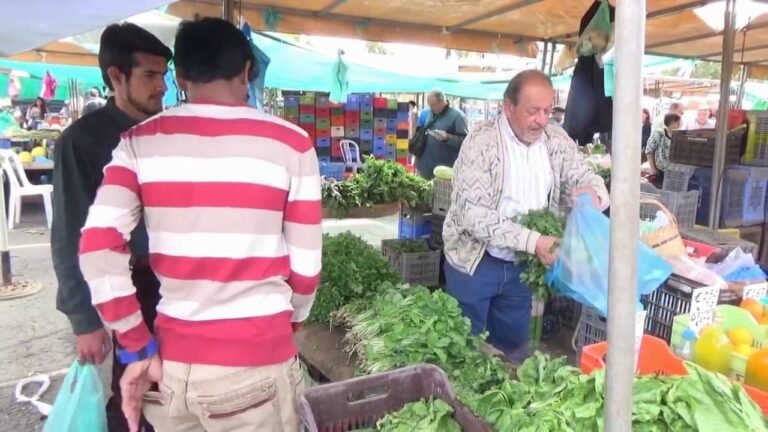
<point>38,151</point>
<point>25,157</point>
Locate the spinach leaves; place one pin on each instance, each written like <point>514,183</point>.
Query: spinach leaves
<point>545,223</point>
<point>352,270</point>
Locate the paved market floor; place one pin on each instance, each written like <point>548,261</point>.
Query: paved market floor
<point>36,339</point>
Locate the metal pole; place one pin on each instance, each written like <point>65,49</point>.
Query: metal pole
<point>5,254</point>
<point>552,58</point>
<point>544,57</point>
<point>228,11</point>
<point>625,214</point>
<point>718,164</point>
<point>742,86</point>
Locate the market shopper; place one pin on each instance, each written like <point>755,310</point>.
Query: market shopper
<point>658,146</point>
<point>507,167</point>
<point>446,129</point>
<point>232,201</point>
<point>133,63</point>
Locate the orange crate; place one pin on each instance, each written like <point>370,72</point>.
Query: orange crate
<point>655,358</point>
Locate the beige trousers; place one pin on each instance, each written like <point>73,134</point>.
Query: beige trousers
<point>201,398</point>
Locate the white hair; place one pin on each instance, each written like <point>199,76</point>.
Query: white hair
<point>438,95</point>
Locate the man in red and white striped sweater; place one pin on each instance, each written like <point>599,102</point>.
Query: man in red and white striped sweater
<point>231,199</point>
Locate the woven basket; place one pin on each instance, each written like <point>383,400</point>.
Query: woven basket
<point>666,241</point>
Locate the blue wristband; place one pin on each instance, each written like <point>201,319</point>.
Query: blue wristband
<point>148,351</point>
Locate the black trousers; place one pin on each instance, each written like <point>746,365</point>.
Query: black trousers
<point>148,295</point>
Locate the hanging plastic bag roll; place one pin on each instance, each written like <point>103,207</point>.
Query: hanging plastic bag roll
<point>79,405</point>
<point>581,269</point>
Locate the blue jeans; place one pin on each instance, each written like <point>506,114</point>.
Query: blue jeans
<point>494,299</point>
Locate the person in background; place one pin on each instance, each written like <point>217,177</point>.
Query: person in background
<point>509,166</point>
<point>36,113</point>
<point>446,130</point>
<point>674,108</point>
<point>232,201</point>
<point>413,118</point>
<point>93,101</point>
<point>703,120</point>
<point>133,63</point>
<point>657,149</point>
<point>558,116</point>
<point>646,129</point>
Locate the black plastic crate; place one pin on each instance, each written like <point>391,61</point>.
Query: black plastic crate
<point>436,226</point>
<point>673,298</point>
<point>416,268</point>
<point>359,403</point>
<point>591,328</point>
<point>677,177</point>
<point>567,310</point>
<point>697,147</point>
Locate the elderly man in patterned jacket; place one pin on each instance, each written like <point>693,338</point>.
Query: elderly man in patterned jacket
<point>509,166</point>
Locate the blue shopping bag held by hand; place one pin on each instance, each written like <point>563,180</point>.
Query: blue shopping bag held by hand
<point>79,406</point>
<point>581,269</point>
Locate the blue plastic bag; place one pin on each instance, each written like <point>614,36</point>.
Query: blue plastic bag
<point>581,268</point>
<point>79,406</point>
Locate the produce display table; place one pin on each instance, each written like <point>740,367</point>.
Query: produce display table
<point>377,211</point>
<point>323,350</point>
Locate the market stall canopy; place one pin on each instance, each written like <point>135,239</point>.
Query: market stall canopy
<point>60,53</point>
<point>673,27</point>
<point>31,24</point>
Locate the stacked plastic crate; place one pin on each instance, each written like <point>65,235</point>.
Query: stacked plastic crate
<point>391,129</point>
<point>352,119</point>
<point>757,154</point>
<point>338,131</point>
<point>291,109</point>
<point>323,128</point>
<point>366,123</point>
<point>402,132</point>
<point>307,116</point>
<point>743,186</point>
<point>380,117</point>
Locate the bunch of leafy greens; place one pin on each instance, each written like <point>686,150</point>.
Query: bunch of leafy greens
<point>378,182</point>
<point>423,416</point>
<point>352,270</point>
<point>399,246</point>
<point>411,325</point>
<point>547,224</point>
<point>551,396</point>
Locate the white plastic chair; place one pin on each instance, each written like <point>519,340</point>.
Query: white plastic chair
<point>350,151</point>
<point>21,187</point>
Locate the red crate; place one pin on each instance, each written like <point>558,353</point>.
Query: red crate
<point>381,132</point>
<point>306,109</point>
<point>309,128</point>
<point>323,132</point>
<point>656,358</point>
<point>699,250</point>
<point>380,103</point>
<point>336,148</point>
<point>322,113</point>
<point>402,161</point>
<point>337,120</point>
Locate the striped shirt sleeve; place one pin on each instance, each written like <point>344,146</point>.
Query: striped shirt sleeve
<point>104,251</point>
<point>303,231</point>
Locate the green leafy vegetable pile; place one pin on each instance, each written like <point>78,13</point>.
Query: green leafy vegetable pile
<point>422,416</point>
<point>352,270</point>
<point>378,182</point>
<point>545,223</point>
<point>407,246</point>
<point>411,325</point>
<point>551,396</point>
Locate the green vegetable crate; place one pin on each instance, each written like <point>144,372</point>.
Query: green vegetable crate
<point>413,259</point>
<point>732,316</point>
<point>360,402</point>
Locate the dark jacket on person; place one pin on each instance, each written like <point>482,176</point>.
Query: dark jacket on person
<point>80,154</point>
<point>442,153</point>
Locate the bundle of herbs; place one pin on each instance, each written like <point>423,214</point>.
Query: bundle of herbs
<point>352,270</point>
<point>549,395</point>
<point>410,325</point>
<point>545,223</point>
<point>378,182</point>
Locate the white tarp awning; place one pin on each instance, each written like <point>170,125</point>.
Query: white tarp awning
<point>29,24</point>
